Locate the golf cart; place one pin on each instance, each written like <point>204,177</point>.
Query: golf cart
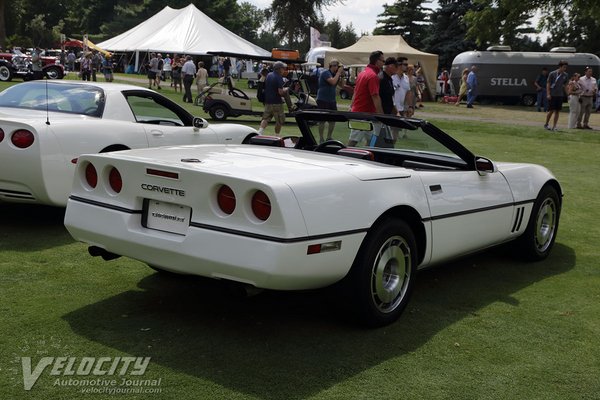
<point>351,72</point>
<point>222,99</point>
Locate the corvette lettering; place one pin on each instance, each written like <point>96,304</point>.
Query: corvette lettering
<point>163,189</point>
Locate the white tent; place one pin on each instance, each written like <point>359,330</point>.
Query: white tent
<point>392,46</point>
<point>182,31</point>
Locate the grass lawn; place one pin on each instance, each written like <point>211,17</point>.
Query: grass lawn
<point>487,326</point>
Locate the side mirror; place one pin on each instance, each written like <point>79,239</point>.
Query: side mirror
<point>199,123</point>
<point>484,166</point>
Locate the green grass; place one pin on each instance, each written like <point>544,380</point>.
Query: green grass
<point>484,327</point>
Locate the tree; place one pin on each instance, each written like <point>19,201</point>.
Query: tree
<point>499,21</point>
<point>447,32</point>
<point>338,36</point>
<point>292,17</point>
<point>408,18</point>
<point>250,19</point>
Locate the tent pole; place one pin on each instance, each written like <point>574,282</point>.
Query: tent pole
<point>137,61</point>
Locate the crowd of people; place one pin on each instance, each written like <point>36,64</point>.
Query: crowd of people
<point>387,85</point>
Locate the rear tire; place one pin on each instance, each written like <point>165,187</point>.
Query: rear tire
<point>528,100</point>
<point>344,95</point>
<point>383,274</point>
<point>537,241</point>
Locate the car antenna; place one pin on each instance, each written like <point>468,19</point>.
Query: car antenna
<point>47,113</point>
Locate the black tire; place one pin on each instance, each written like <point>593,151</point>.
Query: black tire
<point>218,112</point>
<point>383,274</point>
<point>528,100</point>
<point>344,95</point>
<point>53,72</point>
<point>6,74</point>
<point>251,84</point>
<point>538,239</point>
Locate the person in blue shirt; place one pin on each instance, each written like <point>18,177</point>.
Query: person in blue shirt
<point>471,87</point>
<point>328,80</point>
<point>274,91</point>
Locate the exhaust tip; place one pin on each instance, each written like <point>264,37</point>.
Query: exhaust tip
<point>96,251</point>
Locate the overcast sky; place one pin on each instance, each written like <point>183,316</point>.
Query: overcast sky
<point>361,13</point>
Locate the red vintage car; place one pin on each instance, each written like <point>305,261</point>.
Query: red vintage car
<point>18,64</point>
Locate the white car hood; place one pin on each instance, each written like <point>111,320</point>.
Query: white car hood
<point>256,162</point>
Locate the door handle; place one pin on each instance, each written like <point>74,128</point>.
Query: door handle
<point>435,188</point>
<point>157,133</point>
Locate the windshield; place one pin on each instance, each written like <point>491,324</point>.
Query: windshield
<point>61,97</point>
<point>390,140</point>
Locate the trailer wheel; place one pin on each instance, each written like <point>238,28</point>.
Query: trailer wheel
<point>528,100</point>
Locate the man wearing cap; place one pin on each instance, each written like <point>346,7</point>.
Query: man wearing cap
<point>274,91</point>
<point>589,87</point>
<point>328,80</point>
<point>366,95</point>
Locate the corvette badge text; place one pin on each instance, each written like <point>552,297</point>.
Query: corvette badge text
<point>111,375</point>
<point>163,189</point>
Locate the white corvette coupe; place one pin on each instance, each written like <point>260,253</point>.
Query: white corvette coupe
<point>45,126</point>
<point>290,213</point>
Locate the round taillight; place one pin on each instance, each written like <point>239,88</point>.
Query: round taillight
<point>261,205</point>
<point>114,180</point>
<point>1,135</point>
<point>226,199</point>
<point>22,138</point>
<point>91,176</point>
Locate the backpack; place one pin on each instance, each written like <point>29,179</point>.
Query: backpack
<point>260,91</point>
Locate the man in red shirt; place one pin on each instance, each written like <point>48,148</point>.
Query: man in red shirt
<point>366,95</point>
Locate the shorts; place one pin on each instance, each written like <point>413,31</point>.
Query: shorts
<point>367,136</point>
<point>151,75</point>
<point>274,110</point>
<point>326,105</point>
<point>555,103</point>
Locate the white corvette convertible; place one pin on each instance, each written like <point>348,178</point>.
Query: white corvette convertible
<point>288,213</point>
<point>45,126</point>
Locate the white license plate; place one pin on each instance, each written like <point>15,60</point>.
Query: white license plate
<point>168,217</point>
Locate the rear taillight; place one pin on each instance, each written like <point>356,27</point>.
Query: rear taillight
<point>91,176</point>
<point>226,199</point>
<point>114,180</point>
<point>22,138</point>
<point>261,205</point>
<point>1,135</point>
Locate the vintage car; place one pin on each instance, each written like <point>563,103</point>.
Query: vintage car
<point>289,213</point>
<point>21,67</point>
<point>46,125</point>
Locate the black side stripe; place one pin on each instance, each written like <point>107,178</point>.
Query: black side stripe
<point>15,192</point>
<point>104,205</point>
<point>302,238</point>
<point>274,238</point>
<point>474,211</point>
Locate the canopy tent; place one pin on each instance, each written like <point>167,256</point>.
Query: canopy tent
<point>78,43</point>
<point>182,31</point>
<point>392,46</point>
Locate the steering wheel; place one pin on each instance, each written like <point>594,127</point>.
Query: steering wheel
<point>330,143</point>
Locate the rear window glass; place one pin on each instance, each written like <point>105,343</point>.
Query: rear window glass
<point>73,99</point>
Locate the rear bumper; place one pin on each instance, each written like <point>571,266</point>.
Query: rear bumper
<point>211,253</point>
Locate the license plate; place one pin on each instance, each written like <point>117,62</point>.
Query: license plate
<point>167,217</point>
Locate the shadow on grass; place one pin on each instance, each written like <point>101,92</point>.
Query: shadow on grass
<point>20,224</point>
<point>295,344</point>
